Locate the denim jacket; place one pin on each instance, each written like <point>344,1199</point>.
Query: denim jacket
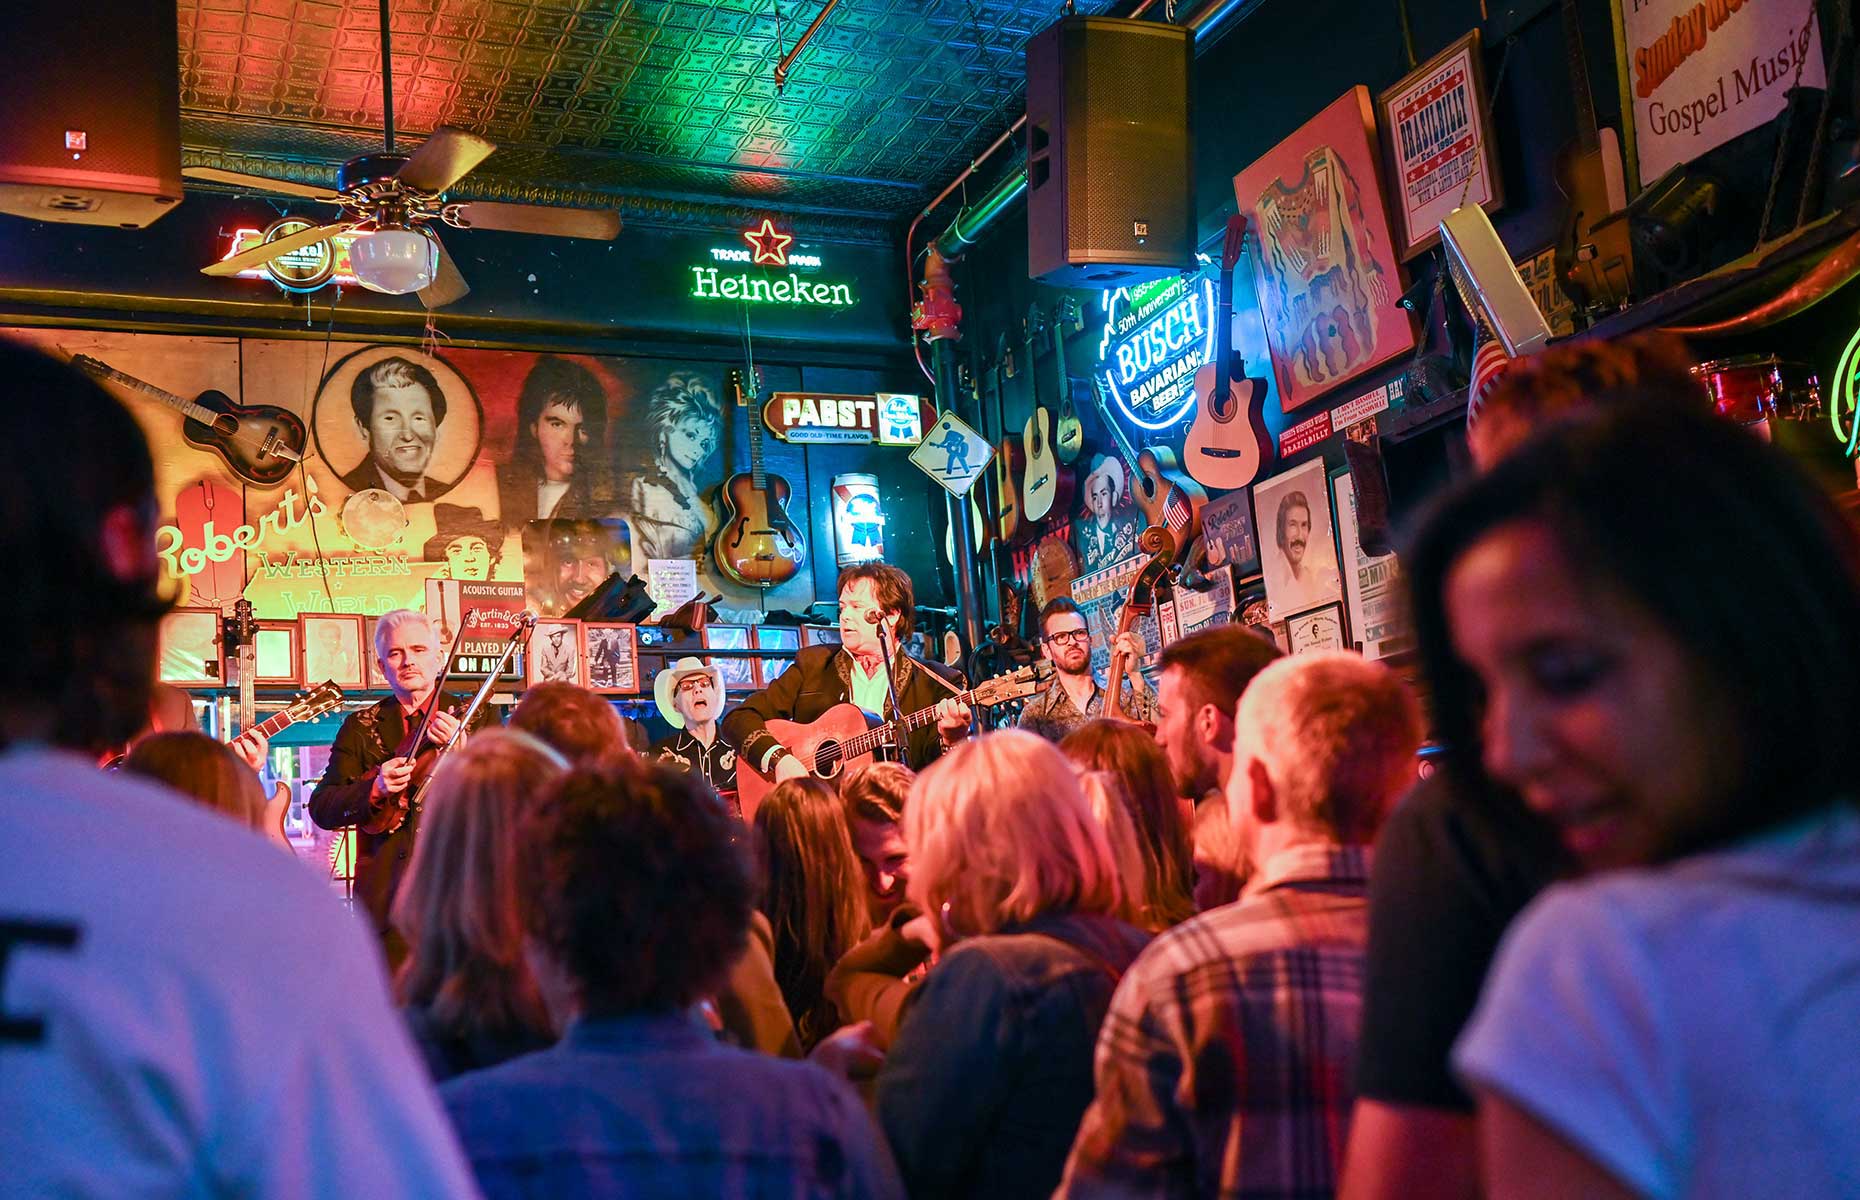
<point>991,1070</point>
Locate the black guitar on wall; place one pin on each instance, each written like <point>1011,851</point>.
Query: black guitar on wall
<point>261,443</point>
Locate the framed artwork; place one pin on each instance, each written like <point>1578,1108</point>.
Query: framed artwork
<point>554,654</point>
<point>1319,629</point>
<point>332,648</point>
<point>820,635</point>
<point>1439,144</point>
<point>377,678</point>
<point>739,674</point>
<point>190,648</point>
<point>1298,549</point>
<point>776,637</point>
<point>1326,271</point>
<point>1372,586</point>
<point>278,653</point>
<point>611,652</point>
<point>1228,532</point>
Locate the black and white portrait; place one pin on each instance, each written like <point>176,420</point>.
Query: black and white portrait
<point>1298,550</point>
<point>555,653</point>
<point>395,419</point>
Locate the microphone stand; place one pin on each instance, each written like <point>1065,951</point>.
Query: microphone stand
<point>519,637</point>
<point>900,735</point>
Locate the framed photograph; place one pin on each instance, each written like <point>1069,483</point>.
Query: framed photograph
<point>1228,532</point>
<point>190,648</point>
<point>739,674</point>
<point>1319,629</point>
<point>279,654</point>
<point>611,652</point>
<point>332,648</point>
<point>1439,144</point>
<point>554,654</point>
<point>775,637</point>
<point>1281,636</point>
<point>820,635</point>
<point>1298,548</point>
<point>1326,272</point>
<point>377,678</point>
<point>1379,620</point>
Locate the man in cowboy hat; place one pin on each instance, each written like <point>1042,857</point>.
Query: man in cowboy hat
<point>468,544</point>
<point>690,697</point>
<point>1109,536</point>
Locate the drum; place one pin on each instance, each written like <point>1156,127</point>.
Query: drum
<point>1753,387</point>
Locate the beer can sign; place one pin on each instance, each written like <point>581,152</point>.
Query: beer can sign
<point>858,519</point>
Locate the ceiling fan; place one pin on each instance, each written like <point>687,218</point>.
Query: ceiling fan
<point>391,198</point>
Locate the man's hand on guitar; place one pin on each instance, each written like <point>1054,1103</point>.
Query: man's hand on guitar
<point>789,766</point>
<point>393,778</point>
<point>250,746</point>
<point>953,719</point>
<point>440,729</point>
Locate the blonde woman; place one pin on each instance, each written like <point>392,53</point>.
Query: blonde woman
<point>1110,803</point>
<point>469,996</point>
<point>991,1068</point>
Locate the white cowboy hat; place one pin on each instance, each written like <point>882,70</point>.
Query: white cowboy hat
<point>667,683</point>
<point>1112,466</point>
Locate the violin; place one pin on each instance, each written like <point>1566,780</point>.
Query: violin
<point>1157,542</point>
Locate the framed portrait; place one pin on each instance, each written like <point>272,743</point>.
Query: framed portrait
<point>278,654</point>
<point>611,652</point>
<point>1298,549</point>
<point>1439,144</point>
<point>1326,272</point>
<point>190,648</point>
<point>1228,532</point>
<point>775,637</point>
<point>820,635</point>
<point>332,648</point>
<point>403,389</point>
<point>377,678</point>
<point>739,674</point>
<point>1319,629</point>
<point>554,654</point>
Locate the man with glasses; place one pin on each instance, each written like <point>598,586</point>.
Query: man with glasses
<point>1076,696</point>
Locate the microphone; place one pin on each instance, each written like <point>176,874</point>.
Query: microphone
<point>872,617</point>
<point>526,624</point>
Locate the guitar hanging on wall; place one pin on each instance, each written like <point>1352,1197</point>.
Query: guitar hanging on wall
<point>1227,444</point>
<point>1048,482</point>
<point>260,443</point>
<point>1164,495</point>
<point>1010,458</point>
<point>758,545</point>
<point>1594,252</point>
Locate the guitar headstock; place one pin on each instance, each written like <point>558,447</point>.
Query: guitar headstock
<point>1071,314</point>
<point>241,625</point>
<point>325,697</point>
<point>745,384</point>
<point>1233,242</point>
<point>1013,685</point>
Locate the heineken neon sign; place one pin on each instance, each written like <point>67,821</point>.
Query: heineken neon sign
<point>1156,336</point>
<point>766,247</point>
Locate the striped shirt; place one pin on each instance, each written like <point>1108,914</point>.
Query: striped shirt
<point>1225,1065</point>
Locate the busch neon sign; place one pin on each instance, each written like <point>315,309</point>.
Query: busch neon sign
<point>1156,336</point>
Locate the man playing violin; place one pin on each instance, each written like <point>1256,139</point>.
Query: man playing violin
<point>370,770</point>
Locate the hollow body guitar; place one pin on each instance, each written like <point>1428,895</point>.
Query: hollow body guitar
<point>261,443</point>
<point>1162,492</point>
<point>758,544</point>
<point>1227,444</point>
<point>845,735</point>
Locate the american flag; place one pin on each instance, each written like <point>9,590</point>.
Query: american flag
<point>1489,364</point>
<point>1176,512</point>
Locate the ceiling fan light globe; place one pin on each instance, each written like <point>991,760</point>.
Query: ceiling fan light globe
<point>394,261</point>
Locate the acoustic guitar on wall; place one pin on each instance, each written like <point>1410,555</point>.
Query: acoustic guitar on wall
<point>261,443</point>
<point>1227,444</point>
<point>1047,484</point>
<point>1068,430</point>
<point>1010,458</point>
<point>1594,252</point>
<point>1163,493</point>
<point>758,545</point>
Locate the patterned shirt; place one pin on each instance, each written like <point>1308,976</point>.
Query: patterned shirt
<point>716,762</point>
<point>1225,1066</point>
<point>1053,715</point>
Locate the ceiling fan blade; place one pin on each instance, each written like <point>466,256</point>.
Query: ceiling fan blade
<point>443,159</point>
<point>598,223</point>
<point>261,254</point>
<point>448,285</point>
<point>259,183</point>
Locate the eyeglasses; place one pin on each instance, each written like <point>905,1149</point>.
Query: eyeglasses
<point>1075,636</point>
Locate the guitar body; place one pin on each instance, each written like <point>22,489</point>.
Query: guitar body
<point>1010,465</point>
<point>1048,485</point>
<point>1068,430</point>
<point>275,810</point>
<point>840,723</point>
<point>758,544</point>
<point>1227,444</point>
<point>1161,485</point>
<point>1594,254</point>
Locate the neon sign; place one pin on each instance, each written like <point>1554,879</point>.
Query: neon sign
<point>302,270</point>
<point>1156,336</point>
<point>1844,407</point>
<point>765,246</point>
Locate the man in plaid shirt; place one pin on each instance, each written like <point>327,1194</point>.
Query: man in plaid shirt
<point>1225,1065</point>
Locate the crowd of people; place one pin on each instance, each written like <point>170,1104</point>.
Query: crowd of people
<point>1225,946</point>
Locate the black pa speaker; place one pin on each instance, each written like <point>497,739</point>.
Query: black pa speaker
<point>92,97</point>
<point>1110,166</point>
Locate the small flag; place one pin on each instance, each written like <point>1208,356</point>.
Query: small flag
<point>1489,364</point>
<point>1176,512</point>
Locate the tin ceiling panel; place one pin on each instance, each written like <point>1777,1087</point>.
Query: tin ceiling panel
<point>673,100</point>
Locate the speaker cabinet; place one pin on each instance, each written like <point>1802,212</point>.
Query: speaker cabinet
<point>92,97</point>
<point>1110,167</point>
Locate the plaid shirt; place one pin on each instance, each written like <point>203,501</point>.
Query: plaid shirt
<point>1225,1067</point>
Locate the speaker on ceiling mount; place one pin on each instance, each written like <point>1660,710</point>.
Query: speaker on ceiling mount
<point>92,98</point>
<point>1110,165</point>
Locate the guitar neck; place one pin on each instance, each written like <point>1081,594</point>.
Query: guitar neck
<point>1587,135</point>
<point>188,407</point>
<point>886,734</point>
<point>276,723</point>
<point>753,398</point>
<point>1117,432</point>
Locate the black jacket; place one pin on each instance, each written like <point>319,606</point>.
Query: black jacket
<point>815,681</point>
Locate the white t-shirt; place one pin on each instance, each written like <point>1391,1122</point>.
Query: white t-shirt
<point>1694,1029</point>
<point>217,1026</point>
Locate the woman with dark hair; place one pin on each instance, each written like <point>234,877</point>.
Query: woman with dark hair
<point>1126,751</point>
<point>561,430</point>
<point>1680,1022</point>
<point>814,897</point>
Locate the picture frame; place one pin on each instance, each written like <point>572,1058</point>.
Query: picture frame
<point>332,648</point>
<point>277,655</point>
<point>377,678</point>
<point>610,657</point>
<point>554,654</point>
<point>775,637</point>
<point>190,649</point>
<point>739,674</point>
<point>1320,628</point>
<point>1330,315</point>
<point>1373,591</point>
<point>1298,578</point>
<point>1438,143</point>
<point>1230,533</point>
<point>820,635</point>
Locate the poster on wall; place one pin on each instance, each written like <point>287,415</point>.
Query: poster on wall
<point>611,651</point>
<point>1439,143</point>
<point>1327,272</point>
<point>1227,532</point>
<point>1698,74</point>
<point>1299,554</point>
<point>1378,616</point>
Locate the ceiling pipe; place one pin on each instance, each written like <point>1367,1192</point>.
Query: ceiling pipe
<point>787,60</point>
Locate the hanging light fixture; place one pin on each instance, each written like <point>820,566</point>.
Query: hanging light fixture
<point>394,260</point>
